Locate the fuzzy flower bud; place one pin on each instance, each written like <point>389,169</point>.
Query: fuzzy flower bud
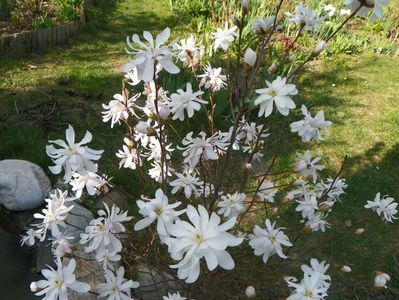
<point>164,112</point>
<point>250,291</point>
<point>245,4</point>
<point>359,231</point>
<point>129,143</point>
<point>250,57</point>
<point>235,21</point>
<point>381,279</point>
<point>272,69</point>
<point>248,166</point>
<point>345,269</point>
<point>33,287</point>
<point>319,47</point>
<point>289,197</point>
<point>300,166</point>
<point>142,127</point>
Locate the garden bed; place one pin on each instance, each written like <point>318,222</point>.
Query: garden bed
<point>25,15</point>
<point>45,32</point>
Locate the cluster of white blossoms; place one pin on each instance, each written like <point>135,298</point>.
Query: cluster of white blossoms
<point>102,235</point>
<point>58,281</point>
<point>316,200</point>
<point>386,207</point>
<point>191,214</point>
<point>76,160</point>
<point>315,282</point>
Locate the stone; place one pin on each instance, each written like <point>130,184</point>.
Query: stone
<point>15,222</point>
<point>77,220</point>
<point>155,283</point>
<point>23,185</point>
<point>87,268</point>
<point>118,196</point>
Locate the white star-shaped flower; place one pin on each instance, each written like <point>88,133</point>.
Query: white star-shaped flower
<point>269,241</point>
<point>277,92</point>
<point>187,100</point>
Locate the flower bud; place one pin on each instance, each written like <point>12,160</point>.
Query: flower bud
<point>300,166</point>
<point>274,211</point>
<point>250,291</point>
<point>359,231</point>
<point>235,21</point>
<point>272,69</point>
<point>250,57</point>
<point>33,287</point>
<point>290,279</point>
<point>319,47</point>
<point>129,143</point>
<point>245,4</point>
<point>142,127</point>
<point>164,112</point>
<point>289,197</point>
<point>248,166</point>
<point>326,206</point>
<point>345,269</point>
<point>299,182</point>
<point>381,279</point>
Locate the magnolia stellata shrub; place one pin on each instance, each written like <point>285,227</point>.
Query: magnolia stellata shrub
<point>198,210</point>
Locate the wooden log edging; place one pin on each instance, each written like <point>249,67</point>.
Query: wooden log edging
<point>30,41</point>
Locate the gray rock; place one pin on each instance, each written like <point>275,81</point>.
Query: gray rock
<point>77,220</point>
<point>87,268</point>
<point>119,197</point>
<point>155,283</point>
<point>23,185</point>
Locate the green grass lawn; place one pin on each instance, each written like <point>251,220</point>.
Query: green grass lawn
<point>41,93</point>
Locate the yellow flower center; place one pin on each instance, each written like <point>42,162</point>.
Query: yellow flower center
<point>71,151</point>
<point>58,283</point>
<point>308,294</point>
<point>273,93</point>
<point>199,239</point>
<point>158,211</point>
<point>100,227</point>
